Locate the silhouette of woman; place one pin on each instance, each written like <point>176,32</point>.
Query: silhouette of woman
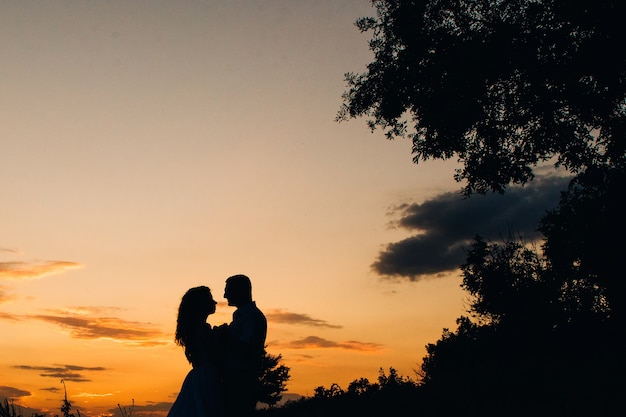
<point>200,394</point>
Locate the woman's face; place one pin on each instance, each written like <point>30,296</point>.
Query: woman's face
<point>212,305</point>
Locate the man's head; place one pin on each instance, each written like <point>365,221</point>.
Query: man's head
<point>238,290</point>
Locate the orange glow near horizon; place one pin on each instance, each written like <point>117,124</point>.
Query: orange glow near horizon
<point>151,147</point>
<point>105,360</point>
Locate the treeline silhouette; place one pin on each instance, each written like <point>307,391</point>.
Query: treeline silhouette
<point>542,336</point>
<point>576,371</point>
<point>392,394</point>
<point>504,86</point>
<point>529,365</point>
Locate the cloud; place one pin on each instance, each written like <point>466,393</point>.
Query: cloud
<point>315,342</point>
<point>4,295</point>
<point>82,324</point>
<point>93,395</point>
<point>12,393</point>
<point>65,372</point>
<point>32,270</point>
<point>85,323</point>
<point>9,317</point>
<point>446,225</point>
<point>301,358</point>
<point>9,250</point>
<point>286,317</point>
<point>151,409</point>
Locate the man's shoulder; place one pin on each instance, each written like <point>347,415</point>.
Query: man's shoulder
<point>250,312</point>
<point>257,310</point>
<point>248,309</point>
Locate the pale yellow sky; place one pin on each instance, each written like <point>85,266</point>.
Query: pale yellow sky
<point>150,146</point>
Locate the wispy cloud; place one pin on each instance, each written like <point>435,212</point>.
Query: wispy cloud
<point>4,295</point>
<point>315,342</point>
<point>12,392</point>
<point>32,270</point>
<point>9,250</point>
<point>88,310</point>
<point>93,395</point>
<point>9,317</point>
<point>282,316</point>
<point>83,324</point>
<point>72,373</point>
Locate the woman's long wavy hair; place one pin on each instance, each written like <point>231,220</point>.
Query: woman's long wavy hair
<point>193,310</point>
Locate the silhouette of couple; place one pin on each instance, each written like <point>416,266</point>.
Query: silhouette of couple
<point>225,360</point>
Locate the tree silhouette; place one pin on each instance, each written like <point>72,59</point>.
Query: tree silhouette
<point>333,391</point>
<point>66,406</point>
<point>360,386</point>
<point>9,409</point>
<point>502,85</point>
<point>512,286</point>
<point>273,378</point>
<point>393,394</point>
<point>584,241</point>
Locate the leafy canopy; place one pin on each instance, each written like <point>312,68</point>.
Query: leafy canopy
<point>502,85</point>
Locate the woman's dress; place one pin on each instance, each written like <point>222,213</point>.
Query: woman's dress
<point>200,394</point>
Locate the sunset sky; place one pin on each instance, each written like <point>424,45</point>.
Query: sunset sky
<point>150,146</point>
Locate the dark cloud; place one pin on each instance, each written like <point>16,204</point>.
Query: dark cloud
<point>315,342</point>
<point>447,224</point>
<point>286,317</point>
<point>82,324</point>
<point>12,393</point>
<point>72,373</point>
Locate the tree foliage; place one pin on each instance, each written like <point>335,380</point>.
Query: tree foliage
<point>273,379</point>
<point>502,278</point>
<point>393,394</point>
<point>505,85</point>
<point>541,332</point>
<point>584,241</point>
<point>9,409</point>
<point>501,84</point>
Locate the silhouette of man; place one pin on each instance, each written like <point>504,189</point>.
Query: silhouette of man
<point>245,347</point>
